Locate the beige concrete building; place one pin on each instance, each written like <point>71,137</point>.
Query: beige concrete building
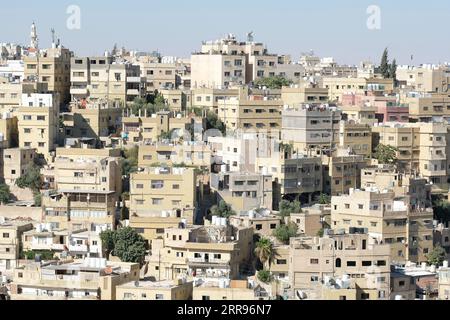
<point>409,232</point>
<point>425,78</point>
<point>161,290</point>
<point>263,222</point>
<point>16,162</point>
<point>39,122</point>
<point>243,191</point>
<point>338,86</point>
<point>175,99</point>
<point>357,114</point>
<point>9,131</point>
<point>303,93</point>
<point>364,264</point>
<point>311,127</point>
<point>231,290</point>
<point>427,107</point>
<point>160,189</point>
<point>201,252</point>
<point>422,148</point>
<point>444,282</point>
<point>357,138</point>
<point>89,279</point>
<point>312,219</point>
<point>100,79</point>
<point>51,66</point>
<point>11,241</point>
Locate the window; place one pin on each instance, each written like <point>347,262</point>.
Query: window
<point>367,263</point>
<point>40,118</point>
<point>351,263</point>
<point>314,261</point>
<point>41,144</point>
<point>176,186</point>
<point>5,235</point>
<point>157,184</point>
<point>157,202</point>
<point>139,186</point>
<point>281,261</point>
<point>159,297</point>
<point>360,206</point>
<point>27,118</point>
<point>218,256</point>
<point>27,130</point>
<point>314,279</point>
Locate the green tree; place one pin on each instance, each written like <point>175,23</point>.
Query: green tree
<point>285,232</point>
<point>31,179</point>
<point>223,210</point>
<point>130,163</point>
<point>5,194</point>
<point>264,276</point>
<point>286,149</point>
<point>197,111</point>
<point>320,233</point>
<point>124,213</point>
<point>129,246</point>
<point>437,256</point>
<point>264,251</point>
<point>441,208</point>
<point>393,70</point>
<point>287,208</point>
<point>213,122</point>
<point>159,100</point>
<point>37,196</point>
<point>107,238</point>
<point>276,82</point>
<point>384,66</point>
<point>44,254</point>
<point>386,154</point>
<point>324,199</point>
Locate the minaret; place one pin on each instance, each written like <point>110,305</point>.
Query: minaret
<point>34,37</point>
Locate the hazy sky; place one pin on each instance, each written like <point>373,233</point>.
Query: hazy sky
<point>177,27</point>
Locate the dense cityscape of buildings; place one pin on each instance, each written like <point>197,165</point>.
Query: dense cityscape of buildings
<point>236,174</point>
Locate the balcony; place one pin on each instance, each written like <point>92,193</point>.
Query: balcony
<point>133,92</point>
<point>133,79</point>
<point>78,248</point>
<point>79,91</point>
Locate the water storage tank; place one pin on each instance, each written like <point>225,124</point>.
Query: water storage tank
<point>445,265</point>
<point>214,220</point>
<point>223,222</point>
<point>251,214</point>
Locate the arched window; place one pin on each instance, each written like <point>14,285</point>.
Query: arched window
<point>338,263</point>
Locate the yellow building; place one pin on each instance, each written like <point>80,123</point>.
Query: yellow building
<point>11,241</point>
<point>427,107</point>
<point>357,138</point>
<point>304,93</point>
<point>16,162</point>
<point>160,290</point>
<point>9,130</point>
<point>338,86</point>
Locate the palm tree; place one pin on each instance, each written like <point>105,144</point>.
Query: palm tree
<point>264,251</point>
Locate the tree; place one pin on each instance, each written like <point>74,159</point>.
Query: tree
<point>276,82</point>
<point>124,213</point>
<point>213,122</point>
<point>437,256</point>
<point>129,246</point>
<point>441,208</point>
<point>384,66</point>
<point>324,199</point>
<point>264,251</point>
<point>37,199</point>
<point>393,70</point>
<point>5,194</point>
<point>130,164</point>
<point>159,100</point>
<point>31,179</point>
<point>264,276</point>
<point>287,208</point>
<point>223,210</point>
<point>386,154</point>
<point>107,238</point>
<point>286,149</point>
<point>285,232</point>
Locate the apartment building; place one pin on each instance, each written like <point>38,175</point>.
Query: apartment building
<point>251,114</point>
<point>424,78</point>
<point>310,127</point>
<point>304,93</point>
<point>11,241</point>
<point>147,129</point>
<point>243,191</point>
<point>175,99</point>
<point>51,66</point>
<point>421,147</point>
<point>201,252</point>
<point>342,172</point>
<point>195,154</point>
<point>9,132</point>
<point>263,222</point>
<point>365,263</point>
<point>357,138</point>
<point>91,279</point>
<point>16,162</point>
<point>444,282</point>
<point>409,232</point>
<point>88,169</point>
<point>92,120</point>
<point>295,176</point>
<point>208,98</point>
<point>427,107</point>
<point>158,189</point>
<point>231,290</point>
<point>360,114</point>
<point>157,75</point>
<point>38,124</point>
<point>177,290</point>
<point>339,86</point>
<point>103,79</point>
<point>312,219</point>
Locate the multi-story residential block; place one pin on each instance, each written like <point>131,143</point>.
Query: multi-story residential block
<point>16,162</point>
<point>303,93</point>
<point>409,232</point>
<point>359,114</point>
<point>231,290</point>
<point>251,114</point>
<point>444,282</point>
<point>263,222</point>
<point>339,86</point>
<point>312,219</point>
<point>103,79</point>
<point>175,99</point>
<point>178,289</point>
<point>403,287</point>
<point>38,122</point>
<point>425,78</point>
<point>244,191</point>
<point>357,138</point>
<point>9,132</point>
<point>310,127</point>
<point>422,148</point>
<point>11,241</point>
<point>164,189</point>
<point>90,279</point>
<point>92,120</point>
<point>51,66</point>
<point>314,261</point>
<point>157,75</point>
<point>427,107</point>
<point>201,252</point>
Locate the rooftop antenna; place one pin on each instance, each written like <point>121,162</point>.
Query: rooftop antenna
<point>250,36</point>
<point>53,36</point>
